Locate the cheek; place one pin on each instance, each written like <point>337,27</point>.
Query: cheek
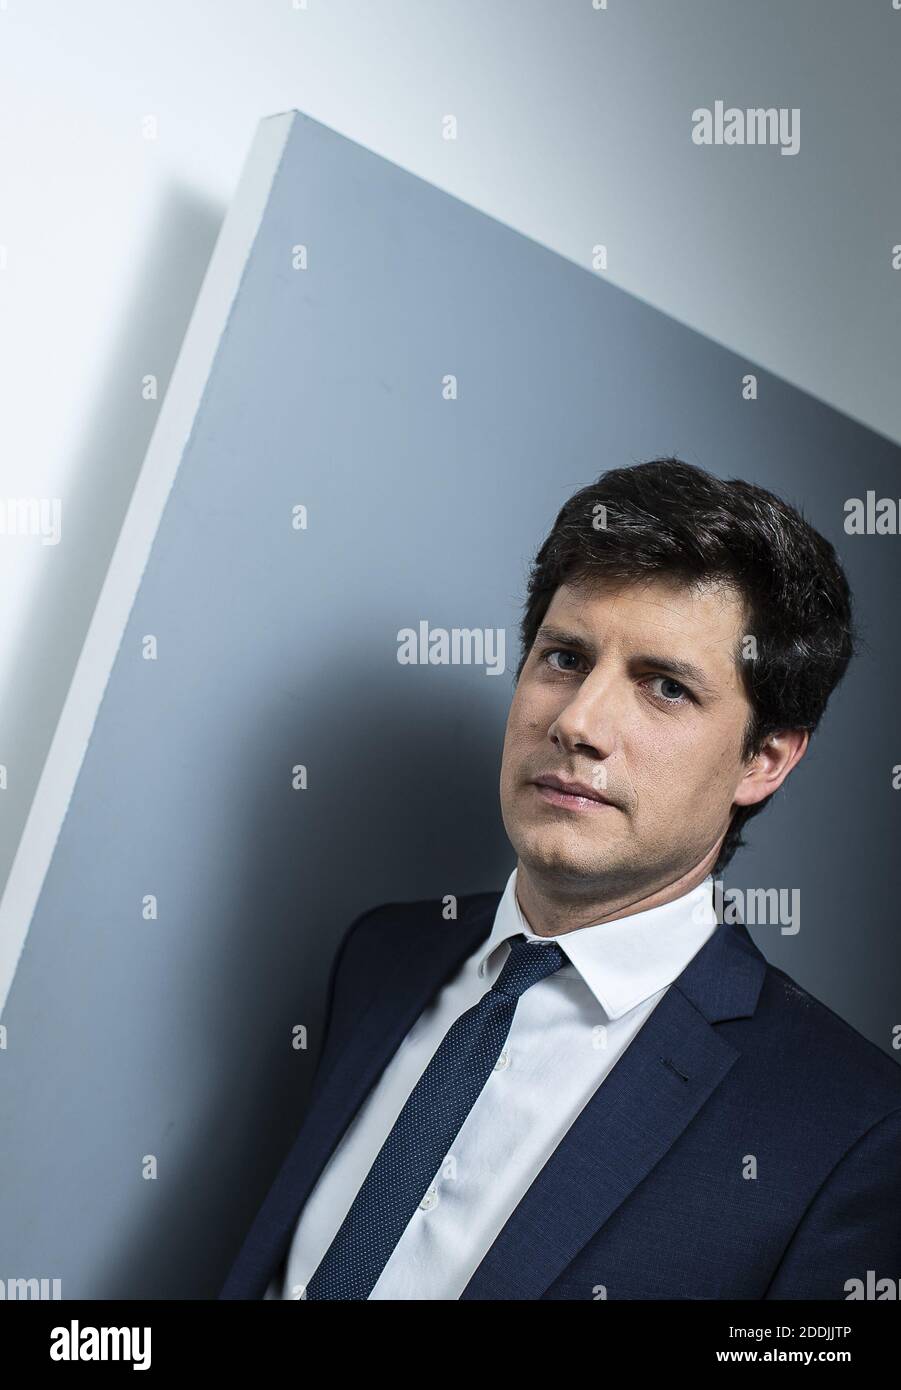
<point>527,716</point>
<point>685,769</point>
<point>669,765</point>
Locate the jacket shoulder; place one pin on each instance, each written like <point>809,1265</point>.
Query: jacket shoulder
<point>837,1064</point>
<point>397,918</point>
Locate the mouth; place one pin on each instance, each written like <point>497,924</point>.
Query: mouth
<point>572,796</point>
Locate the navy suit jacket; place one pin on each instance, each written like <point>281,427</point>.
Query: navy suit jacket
<point>646,1196</point>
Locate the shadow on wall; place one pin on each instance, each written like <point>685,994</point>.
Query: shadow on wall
<point>422,819</point>
<point>101,483</point>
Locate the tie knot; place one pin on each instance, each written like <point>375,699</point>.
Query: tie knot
<point>527,963</point>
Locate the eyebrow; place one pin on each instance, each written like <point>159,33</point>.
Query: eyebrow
<point>669,664</point>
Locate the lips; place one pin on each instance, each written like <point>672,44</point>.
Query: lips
<point>573,789</point>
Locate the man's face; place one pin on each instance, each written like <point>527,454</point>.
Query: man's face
<point>633,690</point>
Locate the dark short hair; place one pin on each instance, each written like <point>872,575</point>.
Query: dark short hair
<point>668,519</point>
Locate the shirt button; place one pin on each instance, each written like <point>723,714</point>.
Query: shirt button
<point>429,1200</point>
<point>502,1062</point>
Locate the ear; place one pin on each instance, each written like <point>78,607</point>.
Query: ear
<point>768,769</point>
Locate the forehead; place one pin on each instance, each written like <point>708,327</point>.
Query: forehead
<point>660,615</point>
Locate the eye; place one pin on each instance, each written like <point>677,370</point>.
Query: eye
<point>673,693</point>
<point>560,651</point>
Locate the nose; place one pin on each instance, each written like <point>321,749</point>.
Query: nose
<point>587,723</point>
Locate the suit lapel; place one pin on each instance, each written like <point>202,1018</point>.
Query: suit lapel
<point>672,1066</point>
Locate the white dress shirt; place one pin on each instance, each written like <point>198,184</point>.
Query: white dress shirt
<point>568,1032</point>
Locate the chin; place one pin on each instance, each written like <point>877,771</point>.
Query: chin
<point>559,857</point>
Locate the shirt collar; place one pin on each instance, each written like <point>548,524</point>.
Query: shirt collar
<point>624,961</point>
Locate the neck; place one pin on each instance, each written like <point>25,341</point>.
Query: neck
<point>552,913</point>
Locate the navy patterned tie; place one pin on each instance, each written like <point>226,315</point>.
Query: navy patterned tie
<point>426,1128</point>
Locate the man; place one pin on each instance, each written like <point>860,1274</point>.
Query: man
<point>586,1086</point>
